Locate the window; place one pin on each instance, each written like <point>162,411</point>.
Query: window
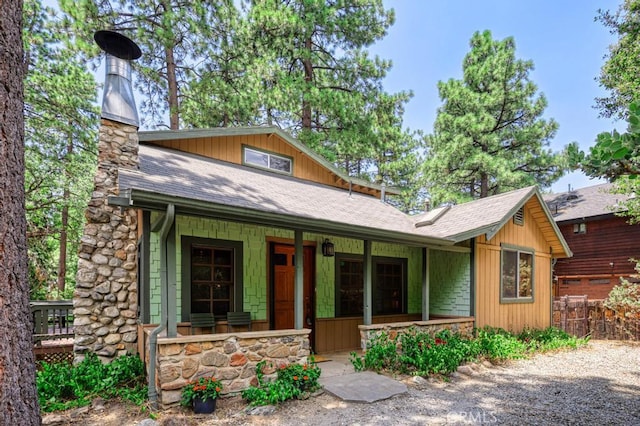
<point>389,285</point>
<point>580,228</point>
<point>517,275</point>
<point>211,276</point>
<point>211,280</point>
<point>267,160</point>
<point>570,282</point>
<point>350,287</point>
<point>599,281</point>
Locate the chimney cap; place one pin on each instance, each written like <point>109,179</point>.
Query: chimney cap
<point>117,45</point>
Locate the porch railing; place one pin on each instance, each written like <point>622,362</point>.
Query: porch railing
<point>52,320</point>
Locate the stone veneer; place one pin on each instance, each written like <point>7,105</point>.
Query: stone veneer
<point>229,357</point>
<point>105,301</point>
<point>462,325</point>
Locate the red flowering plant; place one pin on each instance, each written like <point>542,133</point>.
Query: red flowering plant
<point>203,388</point>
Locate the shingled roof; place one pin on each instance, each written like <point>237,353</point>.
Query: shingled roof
<point>201,185</point>
<point>193,181</point>
<point>589,202</point>
<point>468,220</point>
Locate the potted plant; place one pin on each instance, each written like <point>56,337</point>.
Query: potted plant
<point>201,394</point>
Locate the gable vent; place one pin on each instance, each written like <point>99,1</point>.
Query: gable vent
<point>518,218</point>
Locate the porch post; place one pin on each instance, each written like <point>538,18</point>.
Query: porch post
<point>425,284</point>
<point>172,295</point>
<point>366,272</point>
<point>298,307</point>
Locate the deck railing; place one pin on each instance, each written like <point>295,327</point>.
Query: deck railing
<point>52,320</point>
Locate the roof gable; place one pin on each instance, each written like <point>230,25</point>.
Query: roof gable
<point>488,215</point>
<point>227,144</point>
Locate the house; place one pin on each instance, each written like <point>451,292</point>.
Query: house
<point>213,221</point>
<point>602,242</point>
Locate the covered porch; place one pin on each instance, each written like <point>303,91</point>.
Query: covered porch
<point>319,305</point>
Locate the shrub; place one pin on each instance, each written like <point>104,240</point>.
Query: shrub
<point>62,386</point>
<point>625,297</point>
<point>420,353</point>
<point>292,381</point>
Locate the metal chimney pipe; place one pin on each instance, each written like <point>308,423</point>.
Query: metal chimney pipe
<point>118,103</point>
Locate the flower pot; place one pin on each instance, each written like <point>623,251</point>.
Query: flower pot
<point>204,406</point>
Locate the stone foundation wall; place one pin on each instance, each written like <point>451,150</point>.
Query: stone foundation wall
<point>229,357</point>
<point>463,326</point>
<point>105,300</point>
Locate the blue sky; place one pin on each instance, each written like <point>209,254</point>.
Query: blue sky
<point>430,38</point>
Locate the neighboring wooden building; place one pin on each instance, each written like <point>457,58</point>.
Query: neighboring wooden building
<point>602,243</point>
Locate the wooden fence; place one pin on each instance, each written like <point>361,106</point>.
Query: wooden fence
<point>580,316</point>
<point>52,330</point>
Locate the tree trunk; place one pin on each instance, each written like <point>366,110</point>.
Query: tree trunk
<point>308,79</point>
<point>18,398</point>
<point>64,226</point>
<point>172,81</point>
<point>484,185</point>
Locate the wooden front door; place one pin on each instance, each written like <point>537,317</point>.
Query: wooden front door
<point>283,287</point>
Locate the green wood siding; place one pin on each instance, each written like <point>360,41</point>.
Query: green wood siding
<point>449,283</point>
<point>255,247</point>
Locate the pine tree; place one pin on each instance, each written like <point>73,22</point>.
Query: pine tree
<point>60,140</point>
<point>174,36</point>
<point>620,72</point>
<point>489,136</point>
<point>18,397</point>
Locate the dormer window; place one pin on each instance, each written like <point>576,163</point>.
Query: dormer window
<point>267,160</point>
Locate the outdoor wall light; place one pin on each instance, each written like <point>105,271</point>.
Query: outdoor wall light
<point>327,248</point>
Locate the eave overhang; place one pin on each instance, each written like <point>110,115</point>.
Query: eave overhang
<point>157,202</point>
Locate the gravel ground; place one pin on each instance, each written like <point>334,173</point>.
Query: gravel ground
<point>595,385</point>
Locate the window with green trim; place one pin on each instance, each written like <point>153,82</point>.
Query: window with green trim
<point>517,278</point>
<point>211,276</point>
<point>389,285</point>
<point>212,280</point>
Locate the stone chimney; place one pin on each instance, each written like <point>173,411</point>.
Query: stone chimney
<point>105,301</point>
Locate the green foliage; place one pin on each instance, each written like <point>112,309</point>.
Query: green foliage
<point>60,150</point>
<point>419,353</point>
<point>499,345</point>
<point>292,381</point>
<point>549,339</point>
<point>619,74</point>
<point>177,39</point>
<point>204,388</point>
<point>62,386</point>
<point>614,155</point>
<point>625,297</point>
<point>489,135</point>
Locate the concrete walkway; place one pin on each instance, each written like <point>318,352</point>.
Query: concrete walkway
<point>339,378</point>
